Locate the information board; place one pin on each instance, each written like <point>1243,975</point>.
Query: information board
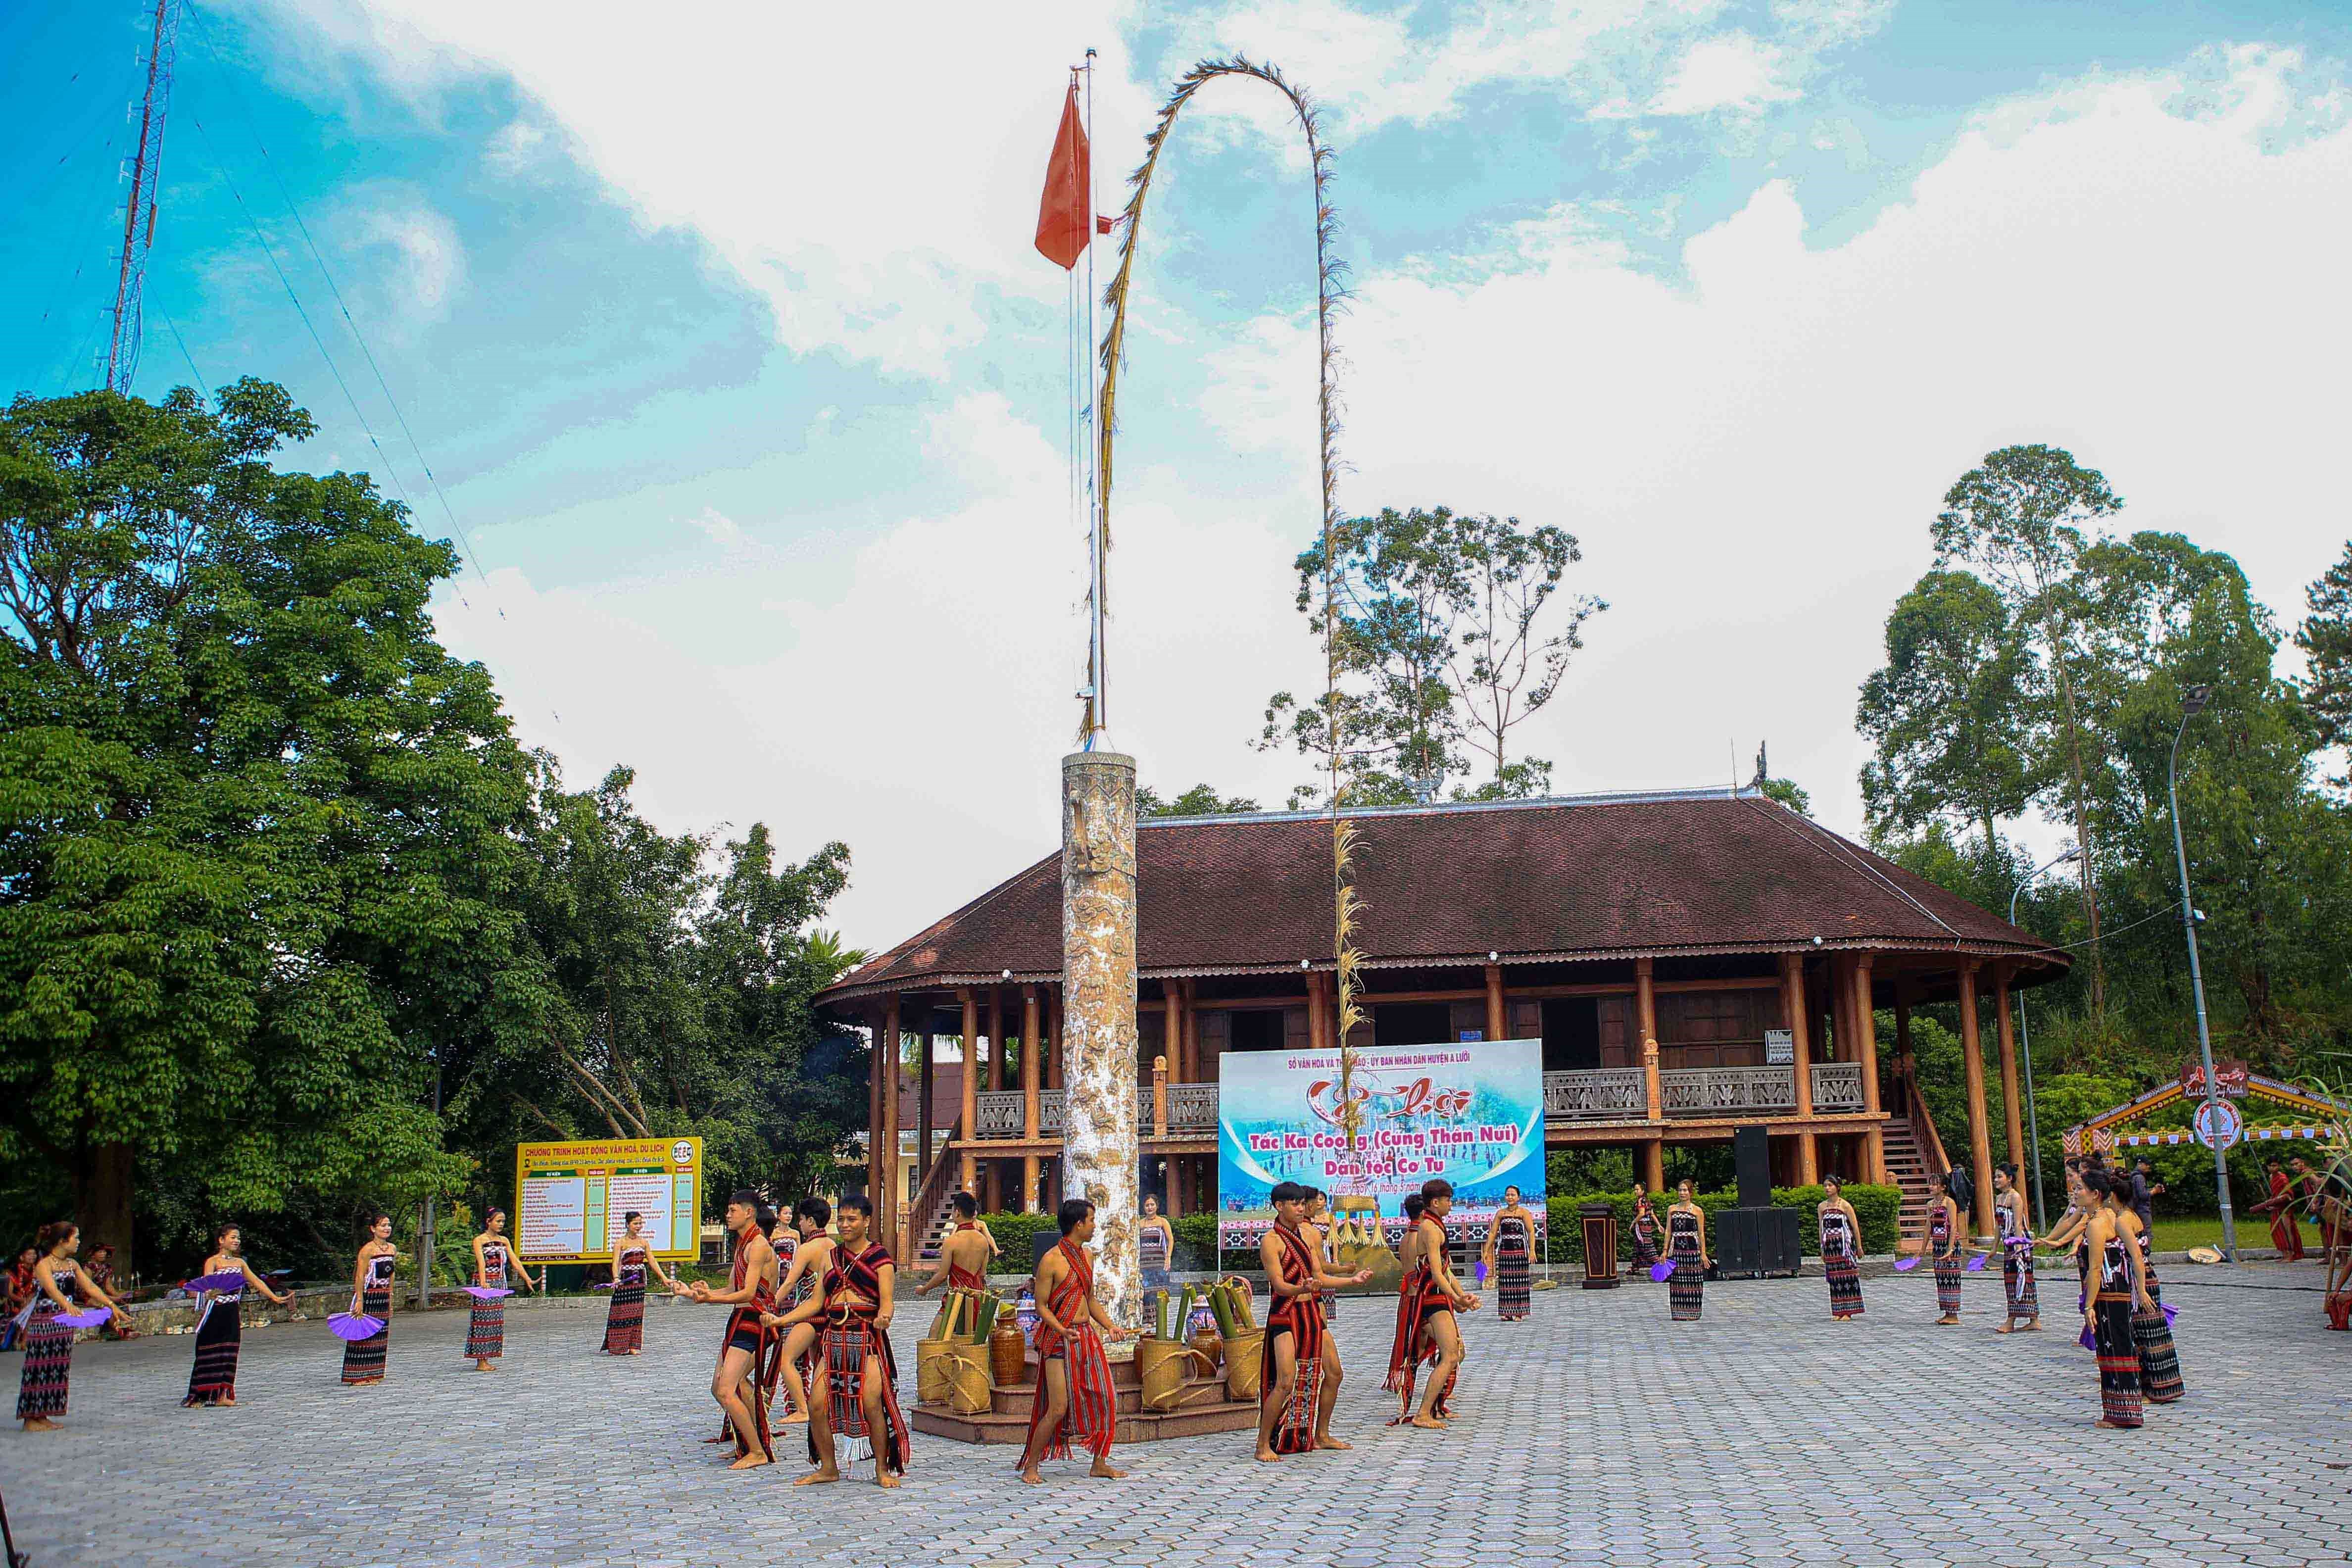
<point>571,1199</point>
<point>1471,1112</point>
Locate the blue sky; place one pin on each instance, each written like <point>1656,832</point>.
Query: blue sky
<point>725,340</point>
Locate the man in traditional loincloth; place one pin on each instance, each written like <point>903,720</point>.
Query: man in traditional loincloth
<point>1074,1388</point>
<point>857,1395</point>
<point>741,1379</point>
<point>1427,1302</point>
<point>1298,1380</point>
<point>811,1253</point>
<point>964,1254</point>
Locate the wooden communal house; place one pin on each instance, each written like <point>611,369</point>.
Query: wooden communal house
<point>1682,955</point>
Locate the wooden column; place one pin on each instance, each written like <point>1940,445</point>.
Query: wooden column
<point>1160,1097</point>
<point>1653,1165</point>
<point>995,1038</point>
<point>1497,1016</point>
<point>1187,1053</point>
<point>1792,1014</point>
<point>923,1130</point>
<point>1173,1205</point>
<point>1032,1086</point>
<point>1979,1134</point>
<point>1645,1019</point>
<point>1865,1044</point>
<point>2013,1110</point>
<point>1840,1008</point>
<point>1049,1035</point>
<point>969,1117</point>
<point>1318,1024</point>
<point>876,1101</point>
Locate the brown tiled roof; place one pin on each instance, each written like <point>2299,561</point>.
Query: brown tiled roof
<point>1604,876</point>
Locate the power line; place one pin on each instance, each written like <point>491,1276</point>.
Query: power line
<point>294,209</point>
<point>185,353</point>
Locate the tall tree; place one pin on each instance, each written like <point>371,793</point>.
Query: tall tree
<point>1500,580</point>
<point>1948,714</point>
<point>252,816</point>
<point>2325,639</point>
<point>2019,518</point>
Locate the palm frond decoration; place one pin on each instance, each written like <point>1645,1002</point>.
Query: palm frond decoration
<point>1330,295</point>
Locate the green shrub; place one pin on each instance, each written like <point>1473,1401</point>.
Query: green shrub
<point>1014,1234</point>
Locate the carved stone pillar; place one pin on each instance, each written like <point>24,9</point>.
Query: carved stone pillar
<point>1098,1034</point>
<point>1032,1084</point>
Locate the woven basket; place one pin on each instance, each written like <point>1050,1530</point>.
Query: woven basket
<point>964,1368</point>
<point>1167,1368</point>
<point>932,1370</point>
<point>1245,1371</point>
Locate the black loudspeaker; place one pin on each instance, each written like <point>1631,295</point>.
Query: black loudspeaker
<point>1754,1242</point>
<point>1041,1242</point>
<point>1751,1152</point>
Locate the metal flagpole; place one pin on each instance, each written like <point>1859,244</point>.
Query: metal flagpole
<point>1098,547</point>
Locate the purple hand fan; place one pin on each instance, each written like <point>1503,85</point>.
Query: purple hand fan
<point>1905,1265</point>
<point>486,1292</point>
<point>88,1318</point>
<point>607,1285</point>
<point>2171,1312</point>
<point>226,1279</point>
<point>1661,1272</point>
<point>1482,1271</point>
<point>354,1325</point>
<point>2089,1341</point>
<point>1976,1264</point>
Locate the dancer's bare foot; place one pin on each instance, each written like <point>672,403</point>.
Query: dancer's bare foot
<point>1429,1423</point>
<point>2002,1329</point>
<point>751,1461</point>
<point>2110,1425</point>
<point>228,1402</point>
<point>1266,1456</point>
<point>1327,1441</point>
<point>883,1478</point>
<point>1029,1478</point>
<point>822,1476</point>
<point>2035,1327</point>
<point>1102,1469</point>
<point>40,1424</point>
<point>797,1419</point>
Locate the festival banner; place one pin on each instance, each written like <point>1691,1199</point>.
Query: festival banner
<point>1472,1113</point>
<point>571,1199</point>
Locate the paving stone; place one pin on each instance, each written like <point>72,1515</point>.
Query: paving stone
<point>1597,1434</point>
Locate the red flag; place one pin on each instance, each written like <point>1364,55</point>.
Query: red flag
<point>1065,223</point>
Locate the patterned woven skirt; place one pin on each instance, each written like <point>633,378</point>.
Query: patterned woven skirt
<point>48,1366</point>
<point>846,1347</point>
<point>364,1359</point>
<point>1294,1428</point>
<point>2159,1359</point>
<point>2119,1396</point>
<point>1947,1285</point>
<point>2017,1280</point>
<point>1686,1293</point>
<point>486,1331</point>
<point>1513,1294</point>
<point>219,1339</point>
<point>624,1323</point>
<point>1843,1271</point>
<point>1645,1253</point>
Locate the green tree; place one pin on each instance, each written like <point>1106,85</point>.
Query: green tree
<point>1452,630</point>
<point>2017,518</point>
<point>2325,639</point>
<point>1200,800</point>
<point>1947,715</point>
<point>253,818</point>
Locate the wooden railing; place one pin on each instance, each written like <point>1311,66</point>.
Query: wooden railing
<point>1837,1086</point>
<point>1607,1094</point>
<point>931,1198</point>
<point>1923,1123</point>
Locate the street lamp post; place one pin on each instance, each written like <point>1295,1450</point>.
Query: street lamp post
<point>2193,703</point>
<point>2025,1037</point>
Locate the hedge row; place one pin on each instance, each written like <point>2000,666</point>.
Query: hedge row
<point>1196,1239</point>
<point>1878,1208</point>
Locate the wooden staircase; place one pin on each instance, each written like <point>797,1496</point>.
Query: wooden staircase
<point>1916,1160</point>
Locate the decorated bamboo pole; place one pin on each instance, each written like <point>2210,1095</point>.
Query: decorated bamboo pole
<point>1330,292</point>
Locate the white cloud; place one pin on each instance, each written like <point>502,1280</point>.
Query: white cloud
<point>1752,454</point>
<point>919,713</point>
<point>1730,72</point>
<point>426,264</point>
<point>517,148</point>
<point>872,181</point>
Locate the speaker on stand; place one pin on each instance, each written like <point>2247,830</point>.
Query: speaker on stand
<point>1755,1239</point>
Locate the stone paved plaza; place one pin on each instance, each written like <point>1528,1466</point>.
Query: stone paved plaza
<point>1597,1433</point>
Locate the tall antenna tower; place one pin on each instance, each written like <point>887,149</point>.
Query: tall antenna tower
<point>139,211</point>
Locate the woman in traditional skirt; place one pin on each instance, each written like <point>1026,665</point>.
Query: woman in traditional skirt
<point>1646,1235</point>
<point>1686,1245</point>
<point>1155,1244</point>
<point>48,1344</point>
<point>2122,1288</point>
<point>625,1322</point>
<point>1944,1249</point>
<point>1511,1249</point>
<point>1840,1250</point>
<point>220,1326</point>
<point>371,1295</point>
<point>2018,1289</point>
<point>2160,1358</point>
<point>486,1329</point>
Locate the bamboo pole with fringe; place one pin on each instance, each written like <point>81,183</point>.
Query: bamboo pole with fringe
<point>1331,292</point>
